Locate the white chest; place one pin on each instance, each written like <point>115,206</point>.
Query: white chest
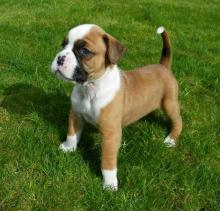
<point>88,100</point>
<point>86,105</point>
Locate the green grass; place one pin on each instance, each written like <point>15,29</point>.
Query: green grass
<point>35,175</point>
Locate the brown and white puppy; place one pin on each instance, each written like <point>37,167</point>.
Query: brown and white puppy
<point>108,98</point>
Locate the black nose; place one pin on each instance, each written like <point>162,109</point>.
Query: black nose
<point>60,60</point>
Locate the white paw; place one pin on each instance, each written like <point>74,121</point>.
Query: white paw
<point>111,187</point>
<point>69,145</point>
<point>110,181</point>
<point>169,142</point>
<point>66,148</point>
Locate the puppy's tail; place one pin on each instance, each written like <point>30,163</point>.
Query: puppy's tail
<point>166,57</point>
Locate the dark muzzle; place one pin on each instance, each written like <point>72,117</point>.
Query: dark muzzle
<point>80,75</point>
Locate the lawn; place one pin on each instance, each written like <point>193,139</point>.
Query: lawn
<point>35,175</point>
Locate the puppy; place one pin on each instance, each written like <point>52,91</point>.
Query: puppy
<point>110,99</point>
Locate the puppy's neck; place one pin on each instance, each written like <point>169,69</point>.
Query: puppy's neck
<point>111,73</point>
<point>107,84</point>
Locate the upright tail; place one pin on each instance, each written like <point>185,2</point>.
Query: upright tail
<point>166,57</point>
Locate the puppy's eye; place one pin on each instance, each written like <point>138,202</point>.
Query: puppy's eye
<point>84,52</point>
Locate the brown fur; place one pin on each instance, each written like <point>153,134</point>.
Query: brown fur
<point>110,126</point>
<point>166,57</point>
<point>107,51</point>
<point>142,91</point>
<point>114,49</point>
<point>74,123</point>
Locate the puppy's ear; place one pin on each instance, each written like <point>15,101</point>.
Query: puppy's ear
<point>114,49</point>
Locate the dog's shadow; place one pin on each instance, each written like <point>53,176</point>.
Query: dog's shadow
<point>158,118</point>
<point>23,99</point>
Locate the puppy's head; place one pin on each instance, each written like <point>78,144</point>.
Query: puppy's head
<point>87,52</point>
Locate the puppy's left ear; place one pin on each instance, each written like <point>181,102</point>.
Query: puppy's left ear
<point>114,49</point>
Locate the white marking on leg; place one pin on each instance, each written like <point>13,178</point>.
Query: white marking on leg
<point>169,142</point>
<point>70,144</point>
<point>110,180</point>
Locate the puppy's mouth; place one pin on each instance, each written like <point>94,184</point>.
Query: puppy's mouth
<point>78,76</point>
<point>62,76</point>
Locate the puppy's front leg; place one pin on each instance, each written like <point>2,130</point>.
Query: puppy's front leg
<point>73,133</point>
<point>111,135</point>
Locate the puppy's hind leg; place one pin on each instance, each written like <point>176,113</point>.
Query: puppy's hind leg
<point>172,109</point>
<point>73,134</point>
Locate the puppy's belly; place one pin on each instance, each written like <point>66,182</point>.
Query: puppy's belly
<point>135,115</point>
<point>144,91</point>
<point>141,105</point>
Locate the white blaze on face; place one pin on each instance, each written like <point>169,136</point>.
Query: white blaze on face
<point>70,61</point>
<point>79,32</point>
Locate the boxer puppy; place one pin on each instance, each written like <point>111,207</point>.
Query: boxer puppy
<point>109,98</point>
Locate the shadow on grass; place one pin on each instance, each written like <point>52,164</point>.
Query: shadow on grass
<point>23,99</point>
<point>159,119</point>
<point>90,152</point>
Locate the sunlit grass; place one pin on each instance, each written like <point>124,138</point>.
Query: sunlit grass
<point>34,174</point>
